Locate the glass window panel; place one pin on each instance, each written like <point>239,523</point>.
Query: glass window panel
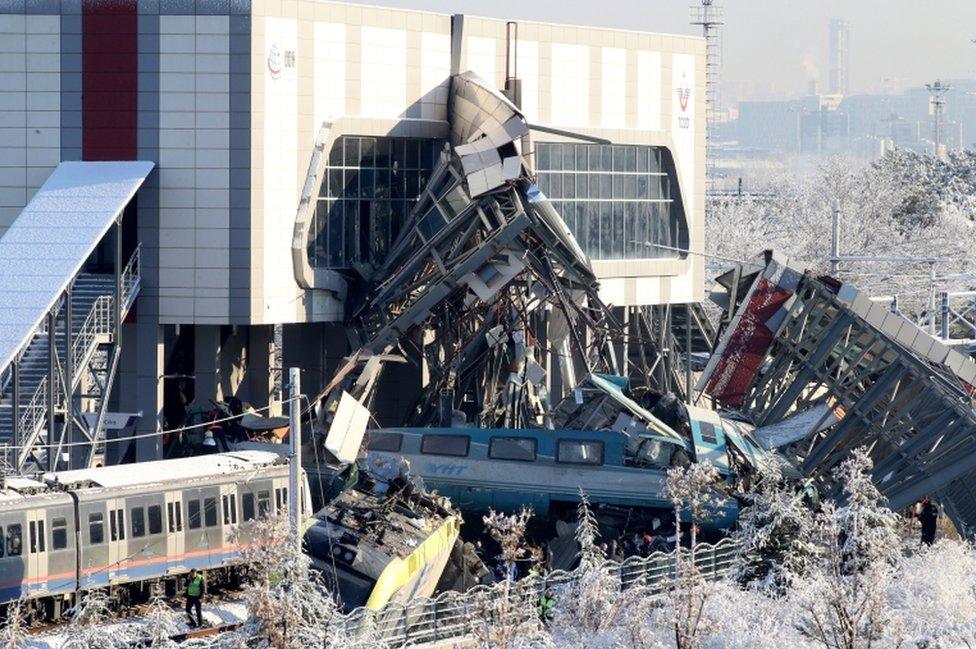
<point>593,158</point>
<point>606,186</point>
<point>193,514</point>
<point>155,516</point>
<point>413,154</point>
<point>542,156</point>
<point>630,186</point>
<point>351,220</point>
<point>522,449</point>
<point>618,158</point>
<point>615,236</point>
<point>453,445</point>
<point>138,521</point>
<point>366,147</point>
<point>59,534</point>
<point>593,180</point>
<point>351,149</point>
<point>569,157</point>
<point>569,186</point>
<point>594,214</point>
<point>380,441</point>
<point>210,512</point>
<point>582,181</point>
<point>579,452</point>
<point>618,186</point>
<point>630,158</point>
<point>606,157</point>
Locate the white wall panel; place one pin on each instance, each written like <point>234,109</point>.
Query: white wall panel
<point>330,72</point>
<point>570,84</point>
<point>649,82</point>
<point>613,100</point>
<point>384,72</point>
<point>482,57</point>
<point>435,72</point>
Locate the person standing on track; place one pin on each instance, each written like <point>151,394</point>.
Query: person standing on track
<point>194,593</point>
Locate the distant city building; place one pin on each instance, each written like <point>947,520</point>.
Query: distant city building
<point>858,125</point>
<point>840,57</point>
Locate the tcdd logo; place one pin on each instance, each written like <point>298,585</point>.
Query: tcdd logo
<point>280,61</point>
<point>684,94</point>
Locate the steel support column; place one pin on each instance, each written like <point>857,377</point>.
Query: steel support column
<point>52,341</point>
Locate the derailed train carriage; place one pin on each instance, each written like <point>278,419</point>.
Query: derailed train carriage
<point>130,529</point>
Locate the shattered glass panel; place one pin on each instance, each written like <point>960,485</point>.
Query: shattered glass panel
<point>616,199</point>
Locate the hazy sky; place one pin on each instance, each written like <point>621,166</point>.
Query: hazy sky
<point>774,47</point>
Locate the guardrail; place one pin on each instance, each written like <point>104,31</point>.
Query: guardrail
<point>130,278</point>
<point>454,615</point>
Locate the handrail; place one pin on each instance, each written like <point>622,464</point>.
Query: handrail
<point>453,615</point>
<point>131,277</point>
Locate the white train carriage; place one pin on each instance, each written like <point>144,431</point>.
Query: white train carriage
<point>133,527</point>
<point>37,541</point>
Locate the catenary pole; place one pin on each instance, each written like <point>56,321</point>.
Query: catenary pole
<point>295,463</point>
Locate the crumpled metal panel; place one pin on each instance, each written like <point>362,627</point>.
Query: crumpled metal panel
<point>798,342</point>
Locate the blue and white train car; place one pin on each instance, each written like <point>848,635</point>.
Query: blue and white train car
<point>130,528</point>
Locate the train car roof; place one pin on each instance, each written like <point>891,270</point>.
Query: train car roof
<point>22,489</point>
<point>183,469</point>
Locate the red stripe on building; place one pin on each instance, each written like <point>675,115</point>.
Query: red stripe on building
<point>110,46</point>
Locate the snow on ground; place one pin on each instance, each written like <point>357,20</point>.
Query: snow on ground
<point>214,614</point>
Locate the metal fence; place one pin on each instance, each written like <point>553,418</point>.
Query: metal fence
<point>453,615</point>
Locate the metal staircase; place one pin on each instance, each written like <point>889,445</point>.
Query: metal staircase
<point>45,391</point>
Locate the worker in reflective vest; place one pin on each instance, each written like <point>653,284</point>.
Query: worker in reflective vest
<point>194,593</point>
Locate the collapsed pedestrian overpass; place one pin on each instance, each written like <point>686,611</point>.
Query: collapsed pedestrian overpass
<point>820,370</point>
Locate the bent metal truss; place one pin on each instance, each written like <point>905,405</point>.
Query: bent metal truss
<point>796,342</point>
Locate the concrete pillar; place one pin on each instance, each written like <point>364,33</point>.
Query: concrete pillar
<point>138,384</point>
<point>260,367</point>
<point>206,355</point>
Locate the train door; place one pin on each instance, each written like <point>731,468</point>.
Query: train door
<point>175,539</point>
<point>228,512</point>
<point>281,496</point>
<point>117,554</point>
<point>37,549</point>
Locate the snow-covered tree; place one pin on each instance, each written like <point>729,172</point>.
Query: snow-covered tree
<point>776,536</point>
<point>288,604</point>
<point>14,628</point>
<point>587,533</point>
<point>843,600</point>
<point>691,490</point>
<point>507,616</point>
<point>88,624</point>
<point>906,204</point>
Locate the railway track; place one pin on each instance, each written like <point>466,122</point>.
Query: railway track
<point>217,612</point>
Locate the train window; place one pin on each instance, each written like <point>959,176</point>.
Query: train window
<point>573,451</point>
<point>281,499</point>
<point>230,509</point>
<point>33,537</point>
<point>247,504</point>
<point>193,514</point>
<point>708,434</point>
<point>137,518</point>
<point>453,445</point>
<point>59,534</point>
<point>2,548</point>
<point>117,524</point>
<point>380,441</point>
<point>155,515</point>
<point>96,528</point>
<point>264,503</point>
<point>175,515</point>
<point>210,512</point>
<point>14,540</point>
<point>521,449</point>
